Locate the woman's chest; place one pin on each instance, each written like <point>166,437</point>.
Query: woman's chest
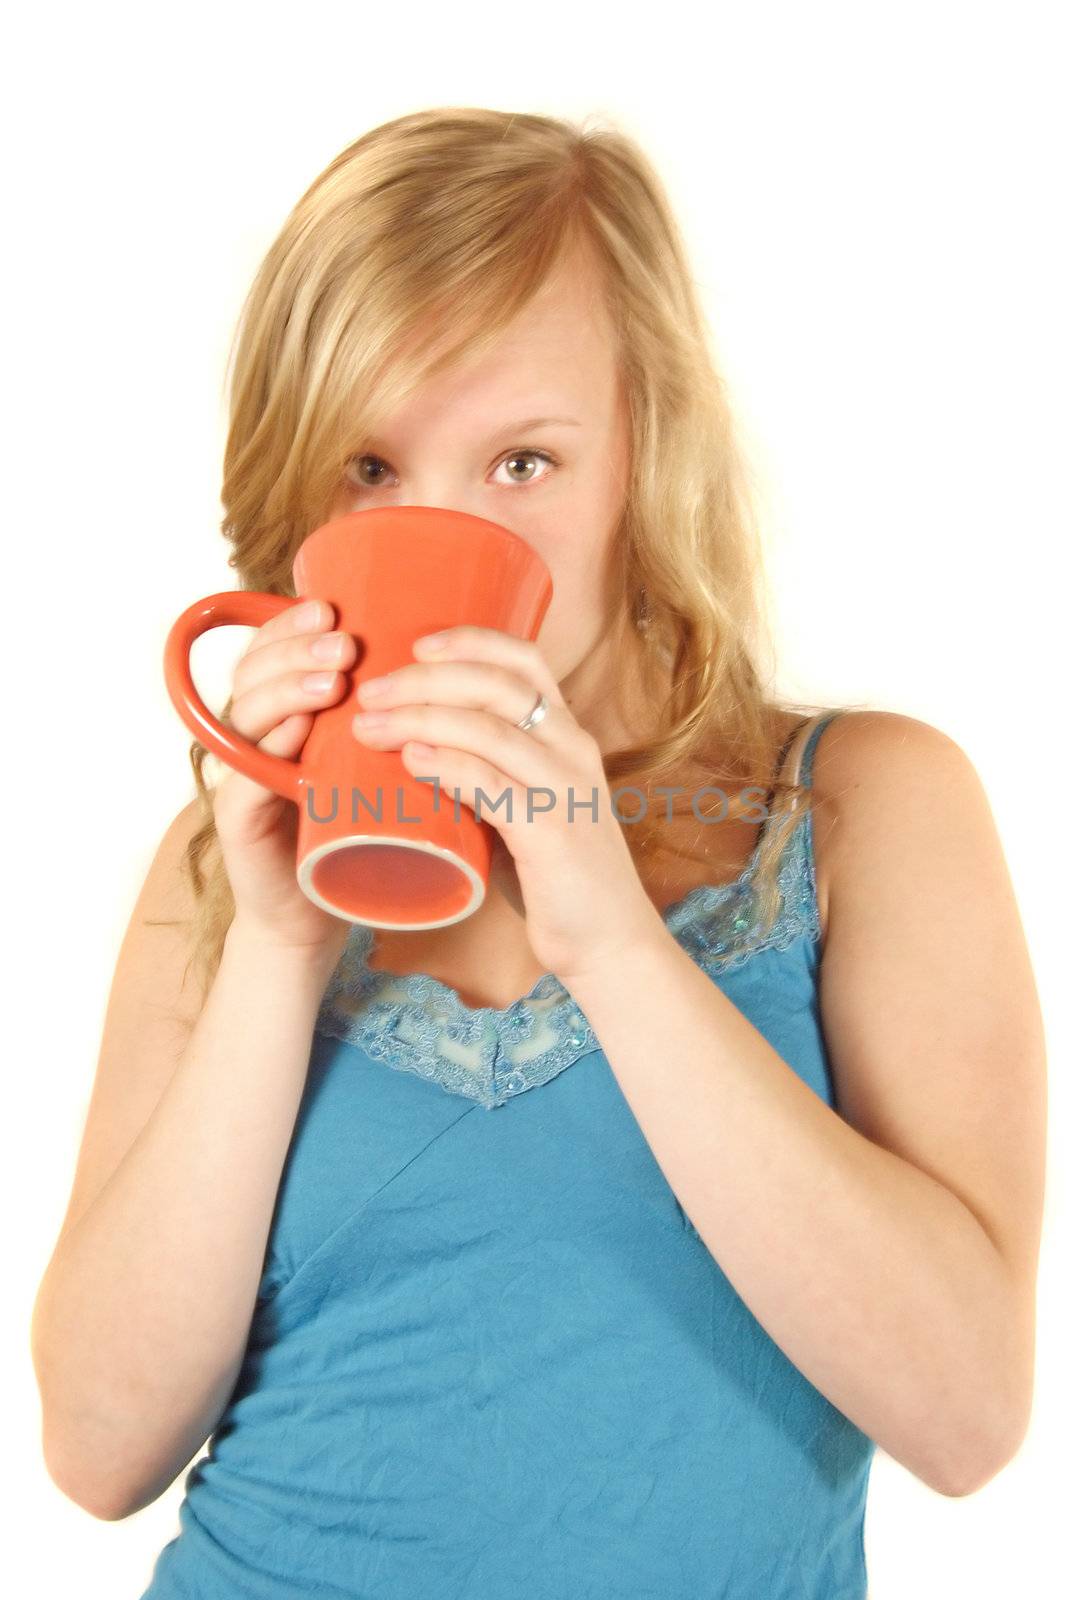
<point>390,1099</point>
<point>487,959</point>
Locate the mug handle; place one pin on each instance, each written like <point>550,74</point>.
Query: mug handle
<point>241,608</point>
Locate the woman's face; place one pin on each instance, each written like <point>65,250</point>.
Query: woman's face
<point>459,444</point>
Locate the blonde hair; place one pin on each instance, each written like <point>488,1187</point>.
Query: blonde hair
<point>452,219</point>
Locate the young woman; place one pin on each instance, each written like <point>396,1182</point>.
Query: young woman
<point>763,1180</point>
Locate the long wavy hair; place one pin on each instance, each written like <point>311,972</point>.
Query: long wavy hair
<point>452,219</point>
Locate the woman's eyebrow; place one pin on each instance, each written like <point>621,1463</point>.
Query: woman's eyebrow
<point>535,422</point>
<point>511,428</point>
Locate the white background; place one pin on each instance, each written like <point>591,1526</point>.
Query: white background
<point>873,196</point>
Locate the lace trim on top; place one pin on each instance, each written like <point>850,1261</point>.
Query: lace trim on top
<point>415,1023</point>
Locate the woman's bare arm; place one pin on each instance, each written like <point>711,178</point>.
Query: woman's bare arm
<point>142,1316</point>
<point>888,1243</point>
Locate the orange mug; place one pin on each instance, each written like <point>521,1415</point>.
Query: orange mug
<point>375,845</point>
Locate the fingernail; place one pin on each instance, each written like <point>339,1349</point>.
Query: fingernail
<point>373,686</point>
<point>329,647</point>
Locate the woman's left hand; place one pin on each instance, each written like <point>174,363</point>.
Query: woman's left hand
<point>582,896</point>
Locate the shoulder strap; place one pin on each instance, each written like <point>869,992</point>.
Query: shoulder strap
<point>798,763</point>
<point>785,770</point>
<point>796,755</point>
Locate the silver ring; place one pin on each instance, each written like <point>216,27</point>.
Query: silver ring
<point>533,717</point>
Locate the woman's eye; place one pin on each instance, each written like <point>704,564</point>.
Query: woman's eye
<point>529,455</point>
<point>352,471</point>
<point>355,468</point>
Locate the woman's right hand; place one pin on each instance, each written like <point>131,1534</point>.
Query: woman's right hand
<point>273,707</point>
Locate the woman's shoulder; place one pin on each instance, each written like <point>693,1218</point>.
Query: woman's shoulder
<point>853,732</point>
<point>856,744</point>
<point>868,760</point>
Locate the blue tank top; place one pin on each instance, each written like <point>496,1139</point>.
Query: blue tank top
<point>491,1359</point>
